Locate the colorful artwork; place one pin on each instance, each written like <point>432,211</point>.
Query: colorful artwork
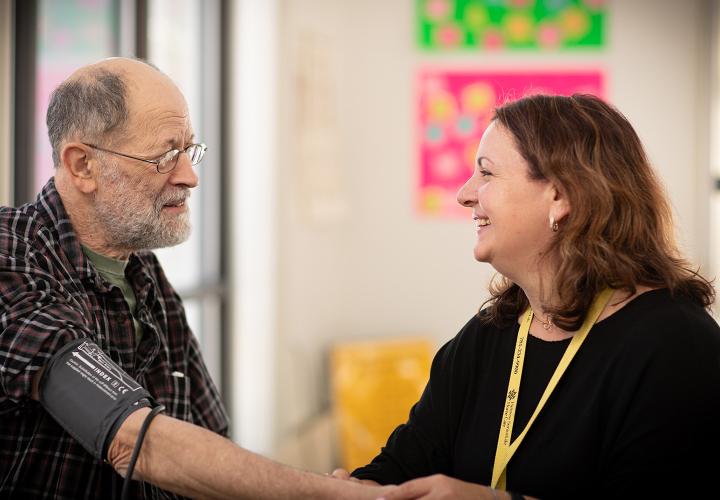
<point>454,109</point>
<point>510,24</point>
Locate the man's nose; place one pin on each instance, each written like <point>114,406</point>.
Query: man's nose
<point>184,174</point>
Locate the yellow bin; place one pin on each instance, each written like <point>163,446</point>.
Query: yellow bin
<point>374,384</point>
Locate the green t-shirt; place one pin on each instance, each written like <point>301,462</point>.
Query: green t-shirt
<point>113,271</point>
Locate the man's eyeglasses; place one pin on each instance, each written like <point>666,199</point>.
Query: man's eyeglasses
<point>168,160</point>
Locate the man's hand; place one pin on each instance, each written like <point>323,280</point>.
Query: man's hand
<point>440,487</point>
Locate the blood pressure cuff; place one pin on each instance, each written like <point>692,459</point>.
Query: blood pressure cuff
<point>89,395</point>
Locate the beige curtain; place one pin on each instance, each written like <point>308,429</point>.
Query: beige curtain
<point>5,103</point>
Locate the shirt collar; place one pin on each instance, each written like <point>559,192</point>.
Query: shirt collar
<point>105,264</point>
<point>50,206</point>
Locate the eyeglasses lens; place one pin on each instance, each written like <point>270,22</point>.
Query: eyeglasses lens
<point>168,162</point>
<point>196,153</point>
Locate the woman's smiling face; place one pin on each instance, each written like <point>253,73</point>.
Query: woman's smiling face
<point>511,210</point>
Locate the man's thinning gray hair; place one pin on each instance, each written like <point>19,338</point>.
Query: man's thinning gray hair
<point>86,108</point>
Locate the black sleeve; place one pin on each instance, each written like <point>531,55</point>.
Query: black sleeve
<point>667,439</point>
<point>422,446</point>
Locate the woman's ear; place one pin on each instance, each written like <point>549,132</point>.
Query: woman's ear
<point>559,205</point>
<point>76,159</point>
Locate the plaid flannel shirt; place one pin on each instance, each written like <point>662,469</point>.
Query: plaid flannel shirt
<point>50,293</point>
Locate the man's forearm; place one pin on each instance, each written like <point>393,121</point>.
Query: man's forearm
<point>194,462</point>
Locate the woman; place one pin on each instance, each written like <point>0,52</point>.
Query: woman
<point>594,369</point>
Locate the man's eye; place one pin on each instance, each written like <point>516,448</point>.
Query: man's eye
<point>170,155</point>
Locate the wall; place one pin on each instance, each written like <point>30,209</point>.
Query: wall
<point>354,260</point>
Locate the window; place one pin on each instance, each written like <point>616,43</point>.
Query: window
<point>71,34</point>
<point>181,37</point>
<point>180,42</point>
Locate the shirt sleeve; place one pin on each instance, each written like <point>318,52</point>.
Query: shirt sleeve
<point>422,446</point>
<point>207,408</point>
<point>667,436</point>
<point>36,320</point>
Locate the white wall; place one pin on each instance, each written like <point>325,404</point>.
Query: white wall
<point>371,267</point>
<point>354,260</point>
<point>660,78</point>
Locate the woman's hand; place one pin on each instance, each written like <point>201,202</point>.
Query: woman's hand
<point>439,487</point>
<point>345,476</point>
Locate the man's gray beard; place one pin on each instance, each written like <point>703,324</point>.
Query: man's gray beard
<point>132,220</point>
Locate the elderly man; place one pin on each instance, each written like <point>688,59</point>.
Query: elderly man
<point>75,271</point>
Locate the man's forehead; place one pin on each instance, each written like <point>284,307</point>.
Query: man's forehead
<point>158,104</point>
<point>171,134</point>
<point>154,131</point>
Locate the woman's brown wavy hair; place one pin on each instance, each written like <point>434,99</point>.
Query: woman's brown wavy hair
<point>619,232</point>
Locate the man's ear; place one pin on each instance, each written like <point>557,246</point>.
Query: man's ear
<point>560,206</point>
<point>77,159</point>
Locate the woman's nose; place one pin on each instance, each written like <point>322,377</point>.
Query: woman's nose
<point>467,194</point>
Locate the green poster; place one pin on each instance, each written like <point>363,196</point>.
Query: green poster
<point>510,24</point>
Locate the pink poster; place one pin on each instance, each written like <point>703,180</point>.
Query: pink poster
<point>454,109</point>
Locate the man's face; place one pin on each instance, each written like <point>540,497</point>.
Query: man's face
<point>137,214</point>
<point>137,207</point>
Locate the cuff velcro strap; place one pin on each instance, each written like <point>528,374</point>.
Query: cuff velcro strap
<point>89,395</point>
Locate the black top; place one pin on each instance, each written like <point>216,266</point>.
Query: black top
<point>637,411</point>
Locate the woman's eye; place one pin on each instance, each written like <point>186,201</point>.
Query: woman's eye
<point>484,172</point>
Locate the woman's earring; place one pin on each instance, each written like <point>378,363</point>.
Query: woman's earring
<point>554,225</point>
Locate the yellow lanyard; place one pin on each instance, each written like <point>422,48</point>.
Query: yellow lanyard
<point>506,449</point>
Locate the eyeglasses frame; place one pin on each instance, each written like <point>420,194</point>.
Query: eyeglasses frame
<point>156,161</point>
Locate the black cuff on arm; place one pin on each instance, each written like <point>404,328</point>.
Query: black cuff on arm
<point>89,395</point>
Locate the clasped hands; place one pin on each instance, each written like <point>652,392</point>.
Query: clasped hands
<point>435,487</point>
